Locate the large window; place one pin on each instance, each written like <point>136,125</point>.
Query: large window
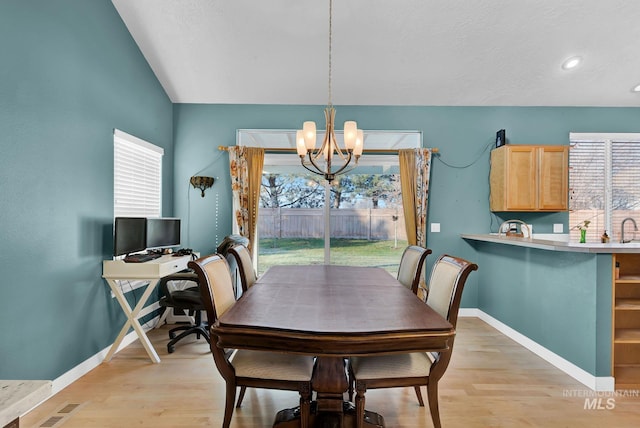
<point>604,180</point>
<point>137,177</point>
<point>357,220</point>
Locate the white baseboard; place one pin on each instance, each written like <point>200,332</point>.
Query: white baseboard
<point>94,361</point>
<point>604,383</point>
<point>469,312</point>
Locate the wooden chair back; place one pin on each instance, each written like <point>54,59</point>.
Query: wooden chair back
<point>216,287</point>
<point>243,259</point>
<point>446,283</point>
<point>410,268</point>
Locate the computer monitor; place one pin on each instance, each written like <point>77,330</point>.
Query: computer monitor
<point>129,235</point>
<point>163,233</point>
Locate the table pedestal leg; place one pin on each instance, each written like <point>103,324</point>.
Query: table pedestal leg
<point>330,410</point>
<point>290,418</point>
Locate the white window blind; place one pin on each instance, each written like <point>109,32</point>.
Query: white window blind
<point>587,188</point>
<point>137,187</point>
<point>604,177</point>
<point>625,184</point>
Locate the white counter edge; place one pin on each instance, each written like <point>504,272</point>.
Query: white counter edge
<point>18,397</point>
<point>550,245</point>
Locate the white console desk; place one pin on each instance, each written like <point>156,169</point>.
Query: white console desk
<point>152,271</point>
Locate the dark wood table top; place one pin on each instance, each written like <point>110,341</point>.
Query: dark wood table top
<point>331,310</point>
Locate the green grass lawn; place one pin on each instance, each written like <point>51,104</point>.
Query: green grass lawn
<point>354,252</point>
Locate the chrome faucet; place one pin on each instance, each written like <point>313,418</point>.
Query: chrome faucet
<point>635,227</point>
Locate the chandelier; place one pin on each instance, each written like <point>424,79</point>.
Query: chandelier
<point>320,160</point>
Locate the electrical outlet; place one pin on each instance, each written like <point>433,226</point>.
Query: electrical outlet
<point>558,228</point>
<point>435,227</point>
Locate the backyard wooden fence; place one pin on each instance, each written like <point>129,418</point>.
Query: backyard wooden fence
<point>370,224</point>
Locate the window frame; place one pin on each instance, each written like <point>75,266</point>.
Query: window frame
<point>378,146</point>
<point>608,142</point>
<point>137,177</point>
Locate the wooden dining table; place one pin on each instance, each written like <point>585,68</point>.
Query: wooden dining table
<point>331,312</point>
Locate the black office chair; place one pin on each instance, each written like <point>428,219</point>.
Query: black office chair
<point>188,300</point>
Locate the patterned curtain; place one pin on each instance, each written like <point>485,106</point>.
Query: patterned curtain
<point>415,171</point>
<point>245,165</point>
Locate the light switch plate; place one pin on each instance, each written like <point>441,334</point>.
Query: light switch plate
<point>558,228</point>
<point>435,227</point>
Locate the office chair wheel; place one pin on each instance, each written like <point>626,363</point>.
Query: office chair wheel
<point>170,349</point>
<point>174,331</point>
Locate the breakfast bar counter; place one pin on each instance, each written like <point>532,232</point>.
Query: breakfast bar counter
<point>551,244</point>
<point>564,299</point>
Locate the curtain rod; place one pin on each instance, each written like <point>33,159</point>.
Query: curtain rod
<point>289,150</point>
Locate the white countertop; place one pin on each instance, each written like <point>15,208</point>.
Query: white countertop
<point>17,397</point>
<point>557,245</point>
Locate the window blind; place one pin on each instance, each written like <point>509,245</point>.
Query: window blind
<point>625,183</point>
<point>137,187</point>
<point>586,166</point>
<point>604,173</point>
<point>587,188</point>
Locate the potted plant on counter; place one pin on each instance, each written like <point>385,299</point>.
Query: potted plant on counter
<point>583,230</point>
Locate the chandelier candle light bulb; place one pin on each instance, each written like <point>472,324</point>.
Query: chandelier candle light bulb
<point>309,132</point>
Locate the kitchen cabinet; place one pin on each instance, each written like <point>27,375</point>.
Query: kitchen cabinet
<point>529,178</point>
<point>626,321</point>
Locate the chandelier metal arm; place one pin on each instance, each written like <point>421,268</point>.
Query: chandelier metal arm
<point>341,169</point>
<point>318,169</point>
<point>328,174</point>
<point>315,171</point>
<point>351,168</point>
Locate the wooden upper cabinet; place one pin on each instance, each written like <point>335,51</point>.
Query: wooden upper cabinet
<point>529,178</point>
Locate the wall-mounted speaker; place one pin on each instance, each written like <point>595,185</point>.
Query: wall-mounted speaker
<point>501,138</point>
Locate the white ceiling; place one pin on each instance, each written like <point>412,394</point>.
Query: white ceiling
<point>391,52</point>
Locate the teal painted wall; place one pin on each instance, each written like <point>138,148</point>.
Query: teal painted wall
<point>70,73</point>
<point>561,300</point>
<point>458,195</point>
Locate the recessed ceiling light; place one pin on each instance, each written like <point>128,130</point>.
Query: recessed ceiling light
<point>572,62</point>
<point>636,88</point>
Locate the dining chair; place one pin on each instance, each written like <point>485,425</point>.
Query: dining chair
<point>245,265</point>
<point>242,257</point>
<point>447,280</point>
<point>247,368</point>
<point>410,268</point>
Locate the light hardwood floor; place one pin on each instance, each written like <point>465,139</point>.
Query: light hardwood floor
<point>491,382</point>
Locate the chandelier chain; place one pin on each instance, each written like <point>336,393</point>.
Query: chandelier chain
<point>330,104</point>
<point>319,160</point>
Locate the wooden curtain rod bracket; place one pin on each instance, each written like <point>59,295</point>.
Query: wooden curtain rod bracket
<point>433,150</point>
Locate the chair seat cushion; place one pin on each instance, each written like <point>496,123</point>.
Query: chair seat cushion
<point>188,299</point>
<point>416,364</point>
<point>272,365</point>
